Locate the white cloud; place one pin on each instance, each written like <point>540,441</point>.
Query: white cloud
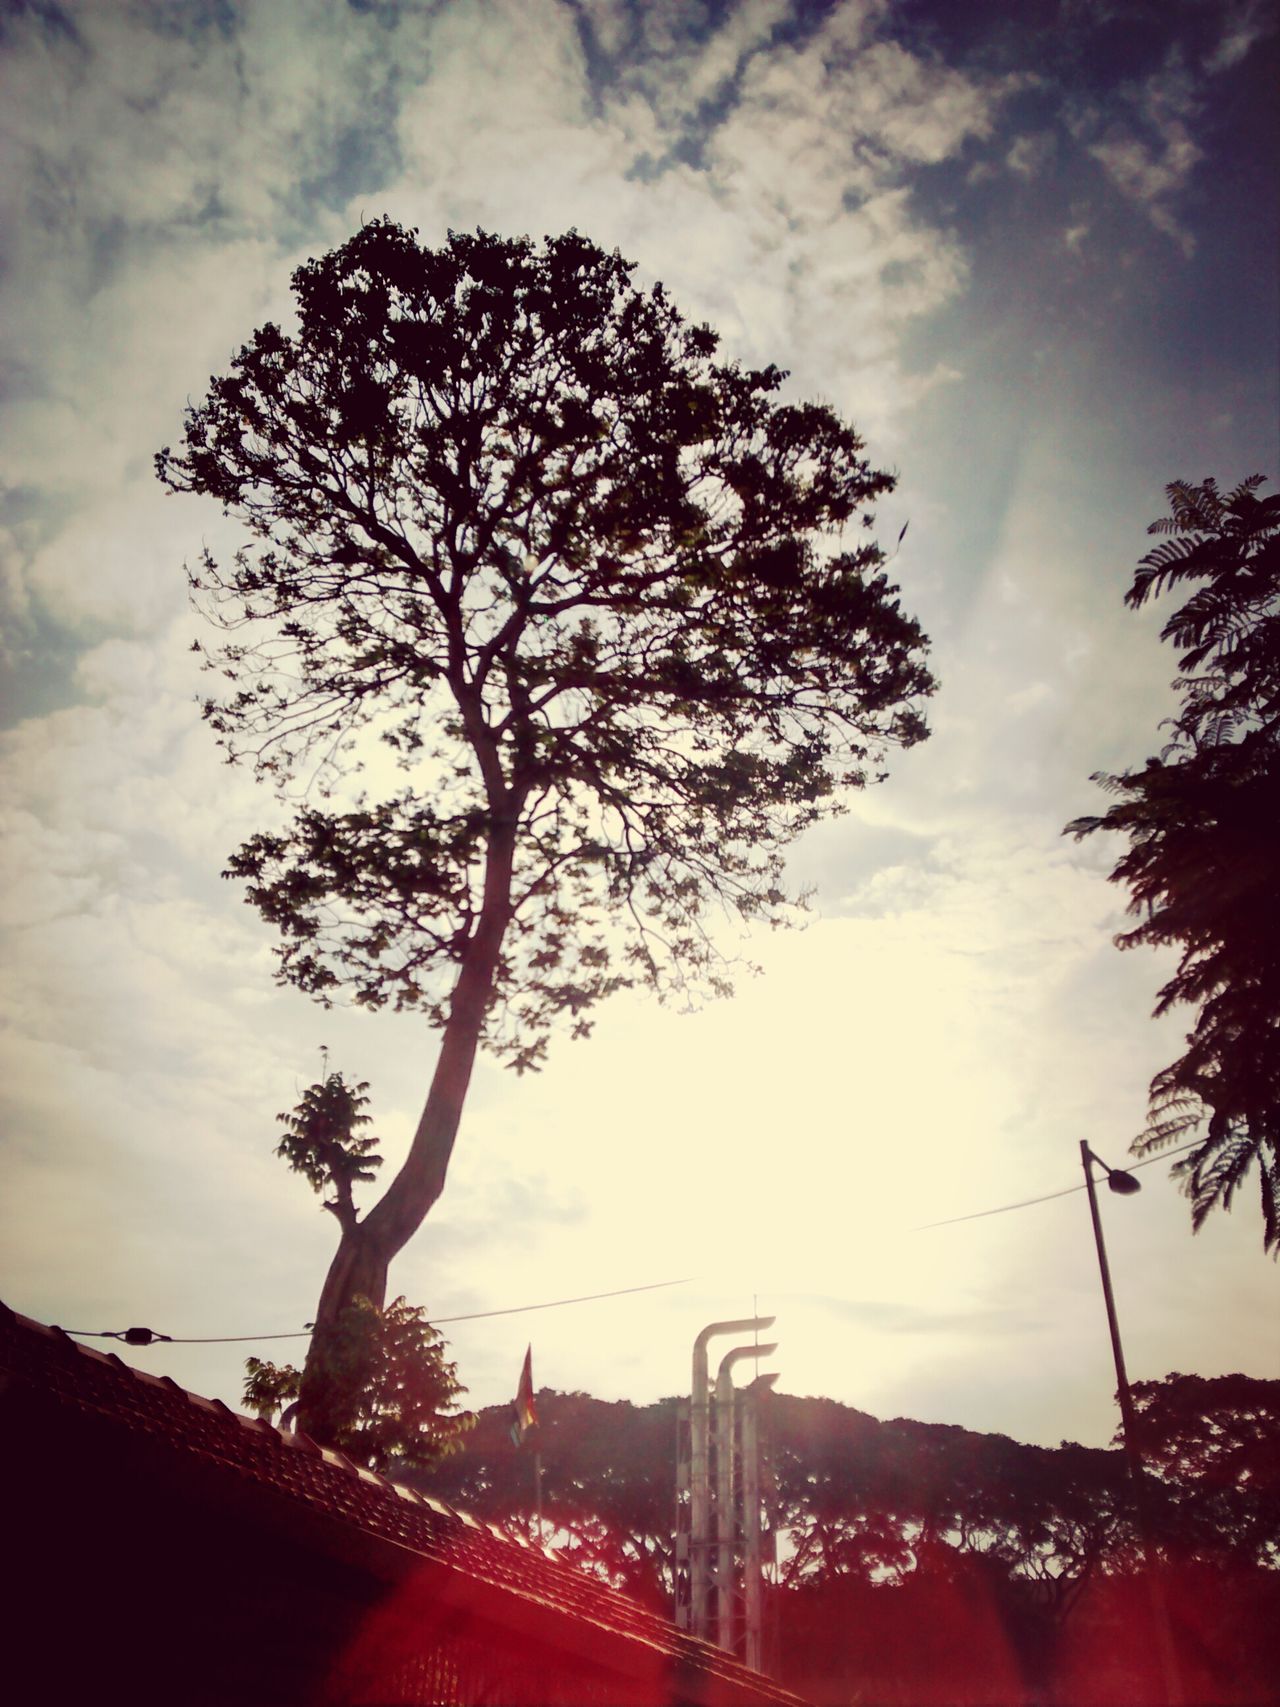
<point>609,22</point>
<point>919,110</point>
<point>1245,24</point>
<point>794,235</point>
<point>1153,177</point>
<point>1030,154</point>
<point>1152,170</point>
<point>822,247</point>
<point>746,30</point>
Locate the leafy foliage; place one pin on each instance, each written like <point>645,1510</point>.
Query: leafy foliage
<point>608,1488</point>
<point>893,1502</point>
<point>388,1392</point>
<point>1213,1445</point>
<point>1203,826</point>
<point>851,1496</point>
<point>270,1388</point>
<point>514,522</point>
<point>390,1385</point>
<point>320,1142</point>
<point>548,634</point>
<point>926,1563</point>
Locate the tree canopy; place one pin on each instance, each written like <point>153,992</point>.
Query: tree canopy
<point>921,1562</point>
<point>1212,1444</point>
<point>1203,826</point>
<point>513,520</point>
<point>391,1395</point>
<point>552,630</point>
<point>321,1143</point>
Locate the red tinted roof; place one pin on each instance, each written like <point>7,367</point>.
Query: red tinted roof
<point>179,1425</point>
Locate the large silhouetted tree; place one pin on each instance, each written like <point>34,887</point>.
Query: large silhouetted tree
<point>1203,824</point>
<point>550,615</point>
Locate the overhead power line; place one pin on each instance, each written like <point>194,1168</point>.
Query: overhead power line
<point>148,1336</point>
<point>1026,1202</point>
<point>555,1303</point>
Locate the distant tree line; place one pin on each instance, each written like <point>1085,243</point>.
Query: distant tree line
<point>922,1562</point>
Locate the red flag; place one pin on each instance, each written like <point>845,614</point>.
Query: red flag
<point>524,1411</point>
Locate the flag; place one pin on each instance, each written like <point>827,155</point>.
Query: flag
<point>524,1412</point>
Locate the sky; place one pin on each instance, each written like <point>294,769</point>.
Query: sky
<point>1031,253</point>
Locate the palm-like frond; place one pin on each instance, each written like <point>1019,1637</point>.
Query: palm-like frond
<point>1202,865</point>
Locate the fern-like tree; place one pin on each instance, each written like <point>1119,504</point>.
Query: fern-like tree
<point>384,1391</point>
<point>558,618</point>
<point>1203,827</point>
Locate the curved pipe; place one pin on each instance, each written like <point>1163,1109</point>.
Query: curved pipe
<point>700,1539</point>
<point>752,1574</point>
<point>724,1513</point>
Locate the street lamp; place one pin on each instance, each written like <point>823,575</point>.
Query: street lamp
<point>1124,1185</point>
<point>1117,1178</point>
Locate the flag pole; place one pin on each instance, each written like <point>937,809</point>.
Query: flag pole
<point>525,1417</point>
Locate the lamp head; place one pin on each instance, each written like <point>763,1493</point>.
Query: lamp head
<point>1121,1182</point>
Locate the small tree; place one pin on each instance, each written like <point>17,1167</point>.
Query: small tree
<point>515,531</point>
<point>387,1393</point>
<point>1203,864</point>
<point>320,1142</point>
<point>389,1396</point>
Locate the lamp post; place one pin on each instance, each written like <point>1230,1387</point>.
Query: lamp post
<point>1124,1185</point>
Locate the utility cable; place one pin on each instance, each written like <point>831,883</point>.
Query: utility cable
<point>147,1336</point>
<point>555,1303</point>
<point>1026,1202</point>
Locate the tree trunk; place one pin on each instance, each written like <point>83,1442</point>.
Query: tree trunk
<point>367,1248</point>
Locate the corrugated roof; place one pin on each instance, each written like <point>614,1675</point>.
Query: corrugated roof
<point>188,1430</point>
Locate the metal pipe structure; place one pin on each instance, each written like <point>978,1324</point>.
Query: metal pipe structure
<point>700,1540</point>
<point>752,1579</point>
<point>1124,1183</point>
<point>680,1569</point>
<point>725,1527</point>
